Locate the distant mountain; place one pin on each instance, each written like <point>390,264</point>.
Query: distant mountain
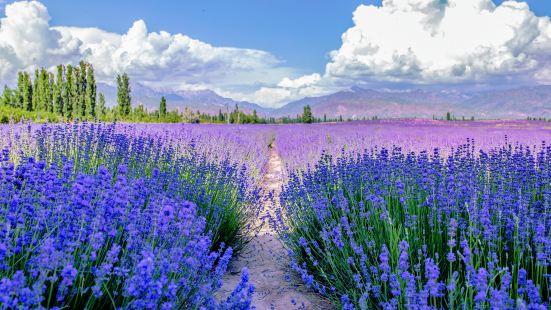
<point>205,101</point>
<point>358,103</point>
<point>511,103</point>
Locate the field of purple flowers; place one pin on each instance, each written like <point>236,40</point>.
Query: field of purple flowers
<point>98,216</point>
<point>381,214</point>
<point>416,226</point>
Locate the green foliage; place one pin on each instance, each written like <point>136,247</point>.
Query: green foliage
<point>123,95</point>
<point>162,107</point>
<point>71,94</point>
<point>100,108</point>
<point>8,97</point>
<point>90,94</point>
<point>68,93</point>
<point>10,114</point>
<point>57,91</point>
<point>307,116</point>
<point>75,93</point>
<point>24,91</point>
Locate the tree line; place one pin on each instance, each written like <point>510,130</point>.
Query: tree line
<point>70,93</point>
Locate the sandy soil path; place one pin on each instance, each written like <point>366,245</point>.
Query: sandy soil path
<point>276,286</point>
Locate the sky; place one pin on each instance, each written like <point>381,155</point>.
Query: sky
<point>273,52</point>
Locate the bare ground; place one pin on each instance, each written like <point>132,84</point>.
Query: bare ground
<point>276,286</point>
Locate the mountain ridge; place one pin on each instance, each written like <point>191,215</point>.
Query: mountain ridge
<point>357,102</point>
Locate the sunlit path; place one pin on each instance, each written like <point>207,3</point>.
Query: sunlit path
<point>275,285</point>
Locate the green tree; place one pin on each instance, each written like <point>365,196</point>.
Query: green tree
<point>448,116</point>
<point>82,85</point>
<point>90,92</point>
<point>162,107</point>
<point>18,95</point>
<point>123,95</point>
<point>24,91</point>
<point>75,93</point>
<point>47,84</point>
<point>100,107</point>
<point>57,92</point>
<point>67,91</point>
<point>42,97</point>
<point>307,115</point>
<point>8,97</point>
<point>35,99</point>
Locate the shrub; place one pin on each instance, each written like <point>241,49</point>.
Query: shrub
<point>222,190</point>
<point>97,241</point>
<point>392,230</point>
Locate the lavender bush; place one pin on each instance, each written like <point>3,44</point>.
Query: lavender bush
<point>94,241</point>
<point>395,230</point>
<point>300,145</point>
<point>101,216</point>
<point>222,190</point>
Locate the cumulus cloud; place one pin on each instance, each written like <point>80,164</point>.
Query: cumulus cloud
<point>417,42</point>
<point>158,59</point>
<point>303,81</point>
<point>27,40</point>
<point>173,60</point>
<point>433,41</point>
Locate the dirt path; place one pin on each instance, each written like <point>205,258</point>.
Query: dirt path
<point>268,263</point>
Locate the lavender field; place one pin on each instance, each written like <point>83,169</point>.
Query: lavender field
<point>382,214</point>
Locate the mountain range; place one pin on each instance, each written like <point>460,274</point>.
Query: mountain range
<point>357,103</point>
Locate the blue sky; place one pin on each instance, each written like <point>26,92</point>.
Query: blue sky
<point>274,52</point>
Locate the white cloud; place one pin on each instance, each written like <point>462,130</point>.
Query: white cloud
<point>27,40</point>
<point>430,42</point>
<point>158,59</point>
<point>433,41</point>
<point>305,80</point>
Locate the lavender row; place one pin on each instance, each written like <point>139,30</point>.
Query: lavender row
<point>395,230</point>
<point>300,145</point>
<point>97,215</point>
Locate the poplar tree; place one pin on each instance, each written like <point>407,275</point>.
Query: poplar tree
<point>100,108</point>
<point>57,92</point>
<point>46,81</point>
<point>162,107</point>
<point>123,94</point>
<point>25,92</point>
<point>35,98</point>
<point>90,92</point>
<point>68,92</point>
<point>82,91</point>
<point>19,91</point>
<point>255,117</point>
<point>42,91</point>
<point>75,93</point>
<point>307,115</point>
